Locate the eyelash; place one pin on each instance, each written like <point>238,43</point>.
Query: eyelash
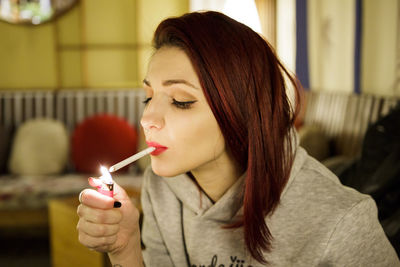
<point>147,100</point>
<point>178,104</point>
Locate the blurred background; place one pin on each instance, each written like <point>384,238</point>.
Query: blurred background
<point>70,100</point>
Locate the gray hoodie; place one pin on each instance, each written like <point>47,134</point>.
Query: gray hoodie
<point>319,222</point>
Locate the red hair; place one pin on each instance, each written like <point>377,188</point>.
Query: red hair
<point>244,84</point>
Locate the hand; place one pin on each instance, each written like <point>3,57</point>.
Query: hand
<point>104,228</point>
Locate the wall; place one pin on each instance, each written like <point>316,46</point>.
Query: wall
<point>331,44</point>
<point>331,29</point>
<point>97,44</point>
<point>380,48</point>
<point>27,56</point>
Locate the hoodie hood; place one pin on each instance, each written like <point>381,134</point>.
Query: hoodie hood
<point>230,204</point>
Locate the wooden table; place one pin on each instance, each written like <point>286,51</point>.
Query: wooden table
<point>66,250</point>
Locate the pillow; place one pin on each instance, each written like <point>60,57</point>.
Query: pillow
<point>40,147</point>
<point>102,139</point>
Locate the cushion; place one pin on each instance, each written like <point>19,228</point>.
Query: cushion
<point>40,147</point>
<point>102,139</point>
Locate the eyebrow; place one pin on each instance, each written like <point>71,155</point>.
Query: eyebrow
<point>172,82</point>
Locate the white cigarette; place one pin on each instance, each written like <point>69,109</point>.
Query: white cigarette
<point>131,159</point>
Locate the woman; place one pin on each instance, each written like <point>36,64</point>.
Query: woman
<point>228,186</point>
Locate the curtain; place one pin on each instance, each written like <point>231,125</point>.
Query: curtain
<point>348,45</point>
<point>380,47</point>
<point>267,12</point>
<point>397,82</point>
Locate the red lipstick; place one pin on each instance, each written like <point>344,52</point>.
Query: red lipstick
<point>159,148</point>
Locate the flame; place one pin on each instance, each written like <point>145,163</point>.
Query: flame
<point>106,176</point>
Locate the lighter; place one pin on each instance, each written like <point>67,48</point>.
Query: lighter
<point>107,184</point>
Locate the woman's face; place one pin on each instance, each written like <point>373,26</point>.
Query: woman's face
<point>177,117</point>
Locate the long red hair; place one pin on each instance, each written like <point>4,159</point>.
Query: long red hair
<point>244,83</point>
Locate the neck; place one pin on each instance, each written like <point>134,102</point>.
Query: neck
<point>217,177</point>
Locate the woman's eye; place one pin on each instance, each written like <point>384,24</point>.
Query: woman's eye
<point>146,100</point>
<point>178,104</point>
<point>183,105</point>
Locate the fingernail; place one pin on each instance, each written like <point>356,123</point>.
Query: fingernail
<point>117,204</point>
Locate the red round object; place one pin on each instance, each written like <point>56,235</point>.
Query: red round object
<point>102,140</point>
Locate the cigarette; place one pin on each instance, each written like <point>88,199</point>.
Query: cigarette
<point>131,159</point>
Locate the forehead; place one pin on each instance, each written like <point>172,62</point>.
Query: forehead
<point>171,63</point>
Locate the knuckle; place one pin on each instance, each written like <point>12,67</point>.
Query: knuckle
<point>83,211</point>
<point>113,239</point>
<point>79,210</point>
<point>81,239</point>
<point>109,240</point>
<point>119,215</point>
<point>83,226</point>
<point>78,225</point>
<point>115,218</point>
<point>100,230</point>
<point>99,217</point>
<point>115,229</point>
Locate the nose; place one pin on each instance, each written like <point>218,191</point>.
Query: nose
<point>152,118</point>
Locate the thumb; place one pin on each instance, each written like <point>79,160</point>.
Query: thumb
<point>119,193</point>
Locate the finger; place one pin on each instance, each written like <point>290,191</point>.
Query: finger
<point>97,230</point>
<point>100,216</point>
<point>96,242</point>
<point>94,199</point>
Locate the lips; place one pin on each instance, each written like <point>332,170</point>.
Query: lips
<point>159,148</point>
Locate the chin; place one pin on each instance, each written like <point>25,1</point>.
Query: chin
<point>165,172</point>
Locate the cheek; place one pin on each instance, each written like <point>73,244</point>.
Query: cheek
<point>195,141</point>
<point>200,134</point>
